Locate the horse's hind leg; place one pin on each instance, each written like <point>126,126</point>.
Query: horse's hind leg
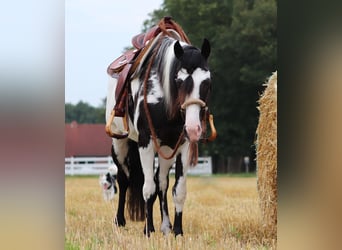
<point>119,153</point>
<point>123,185</point>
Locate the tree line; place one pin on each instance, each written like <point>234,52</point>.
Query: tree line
<point>82,112</point>
<point>243,38</point>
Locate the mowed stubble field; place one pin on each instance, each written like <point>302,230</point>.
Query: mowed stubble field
<point>220,212</point>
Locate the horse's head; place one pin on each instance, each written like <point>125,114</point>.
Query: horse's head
<point>193,85</point>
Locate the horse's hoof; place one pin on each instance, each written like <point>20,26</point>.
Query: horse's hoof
<point>119,222</point>
<point>150,230</point>
<point>177,231</point>
<point>166,229</point>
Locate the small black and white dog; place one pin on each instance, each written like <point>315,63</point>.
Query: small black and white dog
<point>107,182</point>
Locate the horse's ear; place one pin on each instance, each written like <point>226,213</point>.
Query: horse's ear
<point>178,50</point>
<point>205,51</point>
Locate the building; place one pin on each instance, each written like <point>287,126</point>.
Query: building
<point>87,140</point>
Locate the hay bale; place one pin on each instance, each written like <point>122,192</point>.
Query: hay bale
<point>266,145</point>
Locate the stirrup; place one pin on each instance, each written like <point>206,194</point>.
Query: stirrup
<point>213,129</point>
<point>213,134</point>
<point>109,127</point>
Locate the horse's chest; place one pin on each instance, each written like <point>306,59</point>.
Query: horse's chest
<point>169,135</point>
<point>166,131</point>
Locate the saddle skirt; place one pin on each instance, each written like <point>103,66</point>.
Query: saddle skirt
<point>118,64</point>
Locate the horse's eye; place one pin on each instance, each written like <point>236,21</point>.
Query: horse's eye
<point>205,86</point>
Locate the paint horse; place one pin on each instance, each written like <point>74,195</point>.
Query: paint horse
<point>167,115</point>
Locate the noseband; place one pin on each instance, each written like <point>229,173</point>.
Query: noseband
<point>193,101</point>
<point>206,117</point>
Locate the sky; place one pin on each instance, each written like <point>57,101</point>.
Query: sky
<point>96,32</point>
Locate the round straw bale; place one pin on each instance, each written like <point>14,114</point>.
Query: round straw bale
<point>266,147</point>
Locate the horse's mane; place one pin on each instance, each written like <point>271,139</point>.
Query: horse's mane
<point>165,66</point>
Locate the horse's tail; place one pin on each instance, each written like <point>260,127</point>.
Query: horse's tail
<point>135,199</point>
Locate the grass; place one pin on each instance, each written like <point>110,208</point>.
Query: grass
<point>220,212</point>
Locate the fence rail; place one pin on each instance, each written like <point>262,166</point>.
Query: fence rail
<point>100,165</point>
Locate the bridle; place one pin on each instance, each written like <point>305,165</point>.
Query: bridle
<point>188,102</point>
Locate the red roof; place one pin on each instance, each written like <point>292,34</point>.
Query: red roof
<point>86,140</point>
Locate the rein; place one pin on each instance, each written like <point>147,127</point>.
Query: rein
<point>148,115</point>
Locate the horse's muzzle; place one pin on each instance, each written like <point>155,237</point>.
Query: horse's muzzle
<point>193,133</point>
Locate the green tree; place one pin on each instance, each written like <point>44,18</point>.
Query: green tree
<point>243,36</point>
<point>69,113</point>
<point>101,112</point>
<point>82,112</point>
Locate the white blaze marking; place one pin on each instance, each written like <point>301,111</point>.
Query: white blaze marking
<point>192,119</point>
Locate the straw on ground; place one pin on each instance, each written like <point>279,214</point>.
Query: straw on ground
<point>220,213</point>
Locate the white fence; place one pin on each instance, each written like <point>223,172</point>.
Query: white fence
<point>87,165</point>
<point>99,165</point>
<point>203,167</point>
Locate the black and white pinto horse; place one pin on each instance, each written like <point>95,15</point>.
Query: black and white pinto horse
<point>177,90</point>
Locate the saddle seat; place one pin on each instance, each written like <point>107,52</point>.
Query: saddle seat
<point>141,40</point>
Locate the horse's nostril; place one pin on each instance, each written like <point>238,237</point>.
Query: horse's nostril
<point>193,133</point>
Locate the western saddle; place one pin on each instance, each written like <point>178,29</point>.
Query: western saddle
<point>125,66</point>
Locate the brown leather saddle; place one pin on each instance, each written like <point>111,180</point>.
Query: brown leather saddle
<point>125,65</point>
<point>121,67</point>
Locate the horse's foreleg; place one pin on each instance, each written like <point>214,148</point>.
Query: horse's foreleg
<point>163,178</point>
<point>149,227</point>
<point>149,187</point>
<point>179,195</point>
